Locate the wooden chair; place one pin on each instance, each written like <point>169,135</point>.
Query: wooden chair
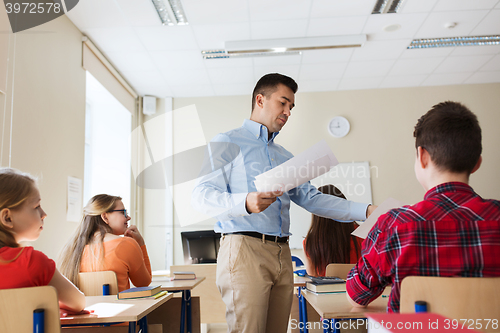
<point>454,297</point>
<point>17,305</point>
<point>339,270</point>
<point>90,283</point>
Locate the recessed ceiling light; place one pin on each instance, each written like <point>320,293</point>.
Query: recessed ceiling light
<point>392,27</point>
<point>454,41</point>
<point>170,14</point>
<point>387,6</point>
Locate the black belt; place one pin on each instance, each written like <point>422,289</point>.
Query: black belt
<point>254,234</point>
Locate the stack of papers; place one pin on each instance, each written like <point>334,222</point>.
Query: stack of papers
<point>312,163</point>
<point>363,230</point>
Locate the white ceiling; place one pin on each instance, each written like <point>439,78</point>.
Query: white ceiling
<point>166,60</point>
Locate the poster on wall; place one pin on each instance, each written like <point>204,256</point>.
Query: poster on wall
<point>75,209</point>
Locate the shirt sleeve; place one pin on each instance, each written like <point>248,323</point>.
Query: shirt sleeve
<point>41,268</point>
<point>212,194</point>
<point>325,205</point>
<point>368,279</point>
<point>137,260</point>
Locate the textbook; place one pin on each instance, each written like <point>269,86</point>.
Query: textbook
<point>324,287</point>
<point>184,276</point>
<point>139,292</point>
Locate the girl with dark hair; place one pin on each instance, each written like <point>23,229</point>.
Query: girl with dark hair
<point>329,241</point>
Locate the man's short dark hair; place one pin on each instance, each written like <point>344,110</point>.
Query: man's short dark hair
<point>451,134</point>
<point>268,84</point>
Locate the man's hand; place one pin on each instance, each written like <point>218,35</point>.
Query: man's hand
<point>370,209</point>
<point>258,201</point>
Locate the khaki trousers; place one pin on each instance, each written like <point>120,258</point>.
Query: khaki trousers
<point>255,279</point>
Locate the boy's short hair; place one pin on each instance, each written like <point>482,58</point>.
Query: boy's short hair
<point>451,134</point>
<point>269,83</point>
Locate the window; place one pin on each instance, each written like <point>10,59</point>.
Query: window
<point>107,144</point>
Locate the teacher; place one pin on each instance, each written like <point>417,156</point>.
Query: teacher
<point>254,265</point>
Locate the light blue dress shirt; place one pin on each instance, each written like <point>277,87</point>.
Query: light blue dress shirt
<point>233,161</point>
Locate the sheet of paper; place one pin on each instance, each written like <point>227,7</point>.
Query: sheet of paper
<point>75,209</point>
<point>363,230</point>
<point>308,165</point>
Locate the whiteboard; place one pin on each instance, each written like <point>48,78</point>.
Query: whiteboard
<point>353,179</point>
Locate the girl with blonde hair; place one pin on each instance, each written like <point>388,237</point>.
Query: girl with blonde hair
<point>22,219</point>
<point>98,245</point>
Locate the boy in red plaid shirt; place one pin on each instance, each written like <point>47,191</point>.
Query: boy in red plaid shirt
<point>453,232</point>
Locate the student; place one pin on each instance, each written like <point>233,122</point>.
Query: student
<point>98,245</point>
<point>329,241</point>
<point>453,232</point>
<point>21,219</point>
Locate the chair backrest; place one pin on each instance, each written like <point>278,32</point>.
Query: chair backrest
<point>454,297</point>
<point>298,262</point>
<point>339,270</point>
<point>17,305</point>
<point>212,308</point>
<point>90,283</point>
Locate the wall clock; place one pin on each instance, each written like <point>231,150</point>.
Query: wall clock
<point>339,127</point>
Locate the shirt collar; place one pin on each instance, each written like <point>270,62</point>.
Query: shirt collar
<point>449,187</point>
<point>258,130</point>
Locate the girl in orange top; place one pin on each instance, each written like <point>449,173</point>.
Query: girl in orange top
<point>99,245</point>
<point>21,219</point>
<point>329,241</point>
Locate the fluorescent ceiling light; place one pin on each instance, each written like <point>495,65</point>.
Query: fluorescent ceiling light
<point>387,6</point>
<point>222,54</point>
<point>171,13</point>
<point>294,44</point>
<point>286,46</point>
<point>454,41</point>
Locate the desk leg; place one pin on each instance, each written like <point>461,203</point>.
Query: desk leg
<point>131,326</point>
<point>188,311</point>
<point>334,328</point>
<point>302,312</point>
<point>183,312</point>
<point>329,326</point>
<point>143,324</point>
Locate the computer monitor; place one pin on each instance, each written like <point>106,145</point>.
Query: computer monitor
<point>200,247</point>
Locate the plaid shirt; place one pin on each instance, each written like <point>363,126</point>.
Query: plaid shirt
<point>453,232</point>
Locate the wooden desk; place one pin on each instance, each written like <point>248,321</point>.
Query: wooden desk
<point>184,286</point>
<point>109,309</point>
<point>178,285</point>
<point>300,281</point>
<point>335,306</point>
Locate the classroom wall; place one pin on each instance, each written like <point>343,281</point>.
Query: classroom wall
<point>382,123</point>
<point>48,124</point>
<point>49,112</point>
